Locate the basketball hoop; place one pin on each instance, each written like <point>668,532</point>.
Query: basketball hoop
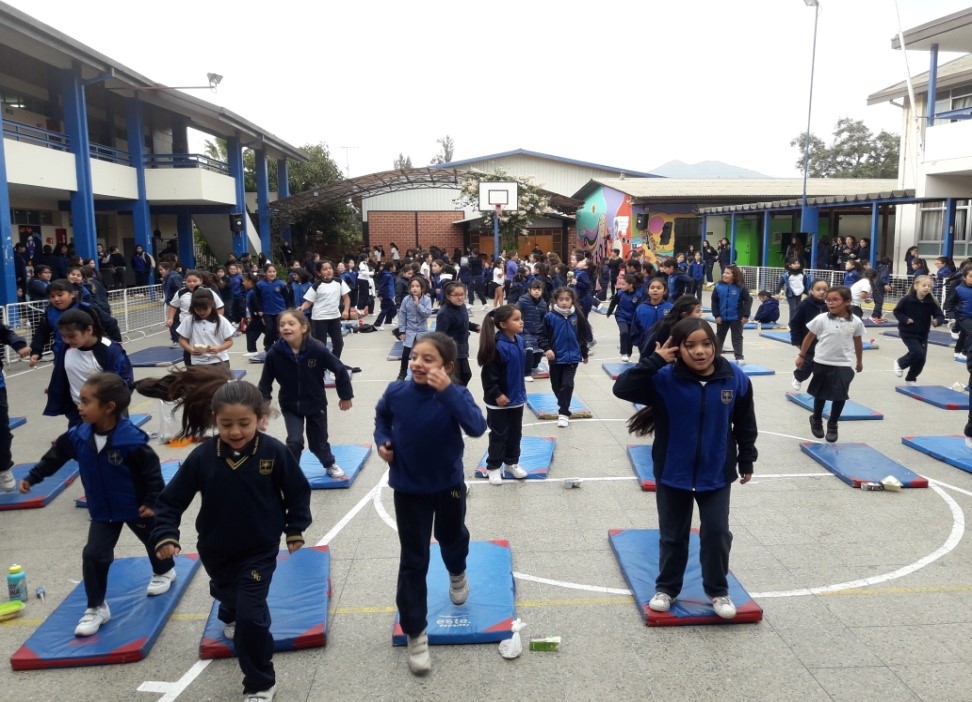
<point>499,209</point>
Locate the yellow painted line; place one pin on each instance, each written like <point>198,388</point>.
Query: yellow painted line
<point>17,622</point>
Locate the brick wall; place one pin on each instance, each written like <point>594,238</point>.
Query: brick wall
<point>436,228</point>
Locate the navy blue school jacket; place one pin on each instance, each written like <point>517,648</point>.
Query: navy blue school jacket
<point>454,321</point>
<point>110,356</point>
<point>118,480</point>
<point>730,302</point>
<point>532,310</point>
<point>301,376</point>
<point>504,376</point>
<point>768,311</point>
<point>424,428</point>
<point>702,429</point>
<point>47,329</point>
<point>567,336</point>
<point>12,339</point>
<point>921,312</point>
<point>805,311</point>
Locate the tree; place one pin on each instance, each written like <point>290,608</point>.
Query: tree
<point>855,152</point>
<point>531,203</point>
<point>448,148</point>
<point>402,162</point>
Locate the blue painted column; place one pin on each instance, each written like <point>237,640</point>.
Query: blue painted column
<point>932,83</point>
<point>141,219</point>
<point>263,202</point>
<point>76,128</point>
<point>705,227</point>
<point>767,224</point>
<point>235,157</point>
<point>810,223</point>
<point>732,239</point>
<point>8,273</point>
<point>283,191</point>
<point>948,226</point>
<point>875,218</point>
<point>187,246</point>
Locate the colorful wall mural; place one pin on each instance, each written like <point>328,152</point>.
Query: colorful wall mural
<point>607,221</point>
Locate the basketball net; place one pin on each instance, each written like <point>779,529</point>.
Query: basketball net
<point>499,210</point>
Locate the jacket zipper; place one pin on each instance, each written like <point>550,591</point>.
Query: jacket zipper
<point>698,441</point>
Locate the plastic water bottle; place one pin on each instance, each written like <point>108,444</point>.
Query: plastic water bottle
<point>17,584</point>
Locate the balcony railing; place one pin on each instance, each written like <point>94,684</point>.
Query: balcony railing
<point>106,153</point>
<point>35,135</point>
<point>186,161</point>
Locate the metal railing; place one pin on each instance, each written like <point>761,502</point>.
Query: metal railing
<point>18,131</point>
<point>107,153</point>
<point>186,161</point>
<point>138,311</point>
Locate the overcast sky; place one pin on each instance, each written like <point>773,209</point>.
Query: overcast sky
<point>621,83</point>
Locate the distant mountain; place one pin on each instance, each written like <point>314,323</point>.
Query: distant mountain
<point>704,169</point>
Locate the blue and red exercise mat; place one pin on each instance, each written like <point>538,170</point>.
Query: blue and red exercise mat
<point>948,449</point>
<point>938,395</point>
<point>859,463</point>
<point>136,620</point>
<point>487,616</point>
<point>852,410</point>
<point>42,493</point>
<point>17,422</point>
<point>643,464</point>
<point>544,406</point>
<point>614,369</point>
<point>536,455</point>
<point>351,458</point>
<point>936,337</point>
<point>156,357</point>
<point>300,594</point>
<point>784,336</point>
<point>637,554</point>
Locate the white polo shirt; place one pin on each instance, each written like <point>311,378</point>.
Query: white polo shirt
<point>326,299</point>
<point>835,339</point>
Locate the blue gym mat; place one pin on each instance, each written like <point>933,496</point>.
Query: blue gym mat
<point>139,419</point>
<point>487,616</point>
<point>615,369</point>
<point>868,323</point>
<point>17,422</point>
<point>536,455</point>
<point>936,337</point>
<point>748,325</point>
<point>859,463</point>
<point>852,410</point>
<point>169,469</point>
<point>300,594</point>
<point>539,374</point>
<point>641,461</point>
<point>599,309</point>
<point>637,554</point>
<point>239,374</point>
<point>756,369</point>
<point>948,449</point>
<point>156,356</point>
<point>937,395</point>
<point>136,620</point>
<point>42,493</point>
<point>395,354</point>
<point>784,336</point>
<point>544,405</point>
<point>351,458</point>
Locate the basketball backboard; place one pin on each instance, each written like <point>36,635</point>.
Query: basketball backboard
<point>493,194</point>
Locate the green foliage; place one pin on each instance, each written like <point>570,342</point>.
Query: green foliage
<point>855,153</point>
<point>532,203</point>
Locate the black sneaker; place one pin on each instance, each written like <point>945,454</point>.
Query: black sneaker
<point>831,432</point>
<point>816,427</point>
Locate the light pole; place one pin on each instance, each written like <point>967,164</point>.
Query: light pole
<point>806,142</point>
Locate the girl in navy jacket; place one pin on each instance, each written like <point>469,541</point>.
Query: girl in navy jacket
<point>533,308</point>
<point>273,295</point>
<point>626,302</point>
<point>121,477</point>
<point>298,362</point>
<point>502,355</point>
<point>731,305</point>
<point>810,308</point>
<point>428,411</point>
<point>650,312</point>
<point>700,408</point>
<point>916,312</point>
<point>453,320</point>
<point>563,337</point>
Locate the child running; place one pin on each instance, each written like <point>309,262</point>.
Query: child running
<point>122,479</point>
<point>686,377</point>
<point>916,313</point>
<point>430,410</point>
<point>626,301</point>
<point>413,319</point>
<point>731,304</point>
<point>811,308</point>
<point>453,320</point>
<point>838,335</point>
<point>298,362</point>
<point>563,337</point>
<point>205,335</point>
<point>17,343</point>
<point>252,490</point>
<point>502,356</point>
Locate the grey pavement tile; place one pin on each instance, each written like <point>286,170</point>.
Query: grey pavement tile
<point>865,684</point>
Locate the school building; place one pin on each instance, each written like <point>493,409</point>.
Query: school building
<point>95,153</point>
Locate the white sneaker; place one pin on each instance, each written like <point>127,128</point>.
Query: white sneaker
<point>898,370</point>
<point>485,307</point>
<point>261,696</point>
<point>229,631</point>
<point>958,356</point>
<point>469,306</point>
<point>796,384</point>
<point>911,382</point>
<point>7,481</point>
<point>724,607</point>
<point>740,361</point>
<point>660,602</point>
<point>379,327</point>
<point>160,584</point>
<point>458,588</point>
<point>495,476</point>
<point>92,620</point>
<point>328,377</point>
<point>528,379</point>
<point>625,358</point>
<point>335,471</point>
<point>968,442</point>
<point>563,420</point>
<point>418,654</point>
<point>516,471</point>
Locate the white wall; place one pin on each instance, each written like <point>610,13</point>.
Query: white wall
<point>39,166</point>
<point>188,185</point>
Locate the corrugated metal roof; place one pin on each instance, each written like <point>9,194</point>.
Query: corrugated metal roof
<point>954,73</point>
<point>900,196</point>
<point>550,157</point>
<point>695,189</point>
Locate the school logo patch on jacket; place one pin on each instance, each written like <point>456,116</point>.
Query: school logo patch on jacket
<point>266,467</point>
<point>115,458</point>
<point>311,362</point>
<point>727,396</point>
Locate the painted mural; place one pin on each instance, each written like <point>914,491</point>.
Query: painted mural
<point>607,221</point>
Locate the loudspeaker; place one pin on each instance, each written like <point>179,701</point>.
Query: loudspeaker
<point>641,221</point>
<point>236,223</point>
<point>666,234</point>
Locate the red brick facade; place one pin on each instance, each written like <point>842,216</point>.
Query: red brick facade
<point>415,229</point>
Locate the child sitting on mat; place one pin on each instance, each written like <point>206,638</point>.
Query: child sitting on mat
<point>122,479</point>
<point>429,411</point>
<point>252,490</point>
<point>683,378</point>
